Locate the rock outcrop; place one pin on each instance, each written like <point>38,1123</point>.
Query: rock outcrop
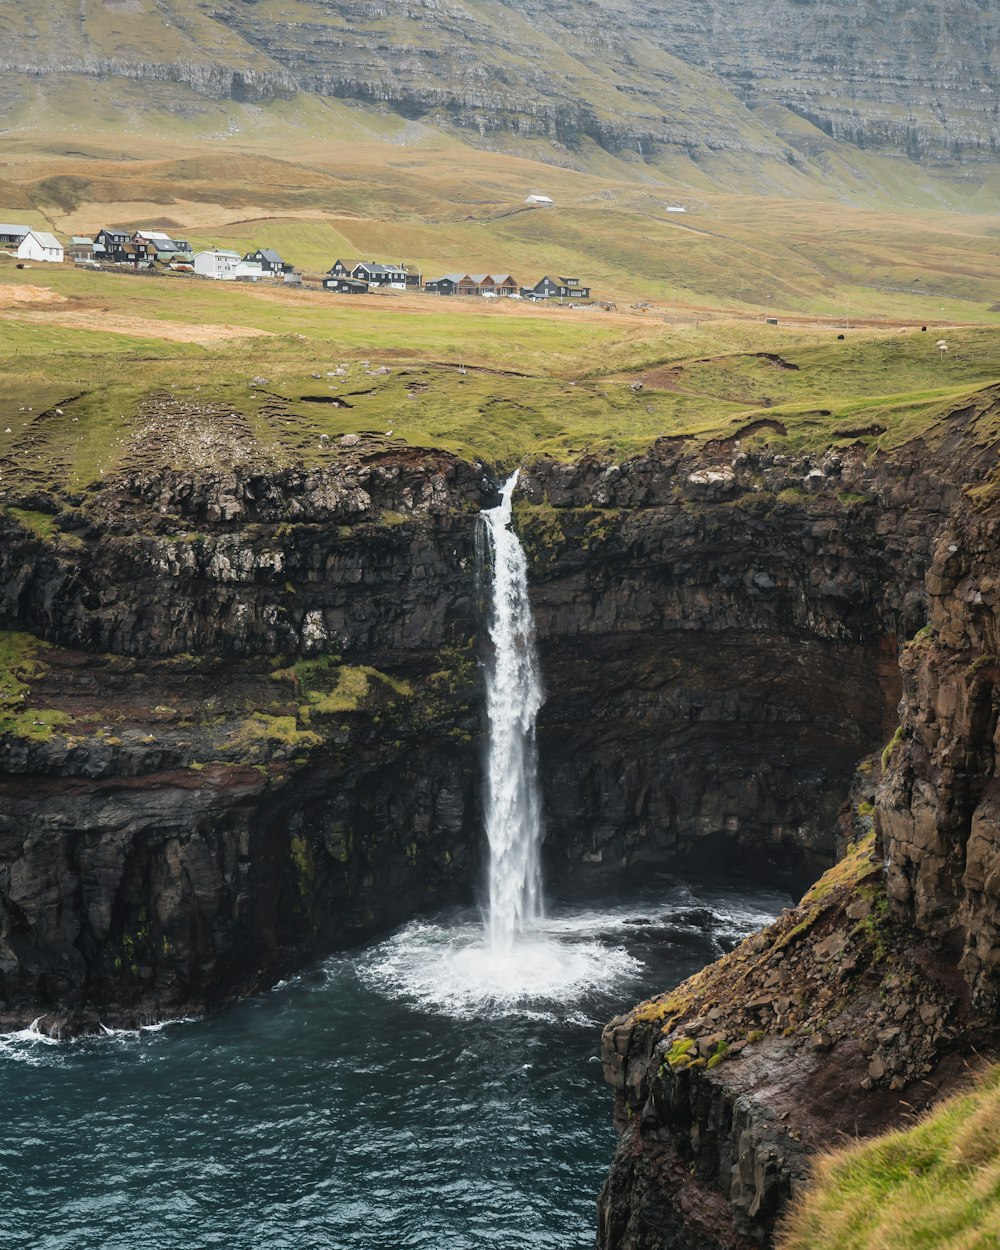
<point>832,1024</point>
<point>874,998</point>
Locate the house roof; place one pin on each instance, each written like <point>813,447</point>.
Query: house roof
<point>570,281</point>
<point>376,267</point>
<point>7,227</point>
<point>82,239</point>
<point>504,278</point>
<point>46,239</point>
<point>154,236</point>
<point>479,277</point>
<point>270,255</point>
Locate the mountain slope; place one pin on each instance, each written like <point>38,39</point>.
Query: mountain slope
<point>777,90</point>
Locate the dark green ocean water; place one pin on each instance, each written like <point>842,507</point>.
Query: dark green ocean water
<point>398,1095</point>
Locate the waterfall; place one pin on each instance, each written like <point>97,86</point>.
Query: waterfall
<point>513,697</point>
<point>519,960</point>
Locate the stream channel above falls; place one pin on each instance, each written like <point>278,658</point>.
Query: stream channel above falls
<point>369,1103</point>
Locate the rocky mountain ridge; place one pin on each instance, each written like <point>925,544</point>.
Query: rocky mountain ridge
<point>789,82</point>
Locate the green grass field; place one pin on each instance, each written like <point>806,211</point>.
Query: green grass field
<point>323,180</point>
<point>147,372</point>
<point>690,293</point>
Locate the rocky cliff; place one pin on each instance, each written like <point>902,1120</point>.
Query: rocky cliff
<point>878,994</point>
<point>786,81</point>
<point>240,711</point>
<point>206,774</point>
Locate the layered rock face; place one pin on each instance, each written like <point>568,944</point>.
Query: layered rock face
<point>939,809</point>
<point>636,78</point>
<point>877,993</point>
<point>720,636</point>
<point>892,77</point>
<point>211,816</point>
<point>255,732</point>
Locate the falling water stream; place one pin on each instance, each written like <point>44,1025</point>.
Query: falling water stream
<point>513,698</point>
<point>438,1087</point>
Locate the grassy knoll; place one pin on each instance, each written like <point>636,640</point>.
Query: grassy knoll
<point>21,663</point>
<point>934,1185</point>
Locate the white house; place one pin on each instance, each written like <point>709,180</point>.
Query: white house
<point>217,263</point>
<point>541,200</point>
<point>39,245</point>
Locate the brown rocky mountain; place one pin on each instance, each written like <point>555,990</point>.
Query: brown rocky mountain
<point>789,80</point>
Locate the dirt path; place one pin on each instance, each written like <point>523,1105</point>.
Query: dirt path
<point>10,296</point>
<point>138,327</point>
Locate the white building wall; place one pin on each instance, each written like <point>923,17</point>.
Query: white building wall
<point>216,265</point>
<point>32,249</point>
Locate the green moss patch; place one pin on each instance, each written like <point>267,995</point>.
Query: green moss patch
<point>21,663</point>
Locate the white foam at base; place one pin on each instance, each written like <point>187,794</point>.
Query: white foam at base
<point>30,1045</point>
<point>456,972</point>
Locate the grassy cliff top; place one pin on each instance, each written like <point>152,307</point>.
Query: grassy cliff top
<point>935,1185</point>
<point>102,372</point>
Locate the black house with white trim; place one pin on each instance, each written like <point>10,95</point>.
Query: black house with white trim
<point>269,260</point>
<point>556,288</point>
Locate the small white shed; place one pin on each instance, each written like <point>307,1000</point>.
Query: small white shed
<point>251,270</point>
<point>39,245</point>
<point>540,200</point>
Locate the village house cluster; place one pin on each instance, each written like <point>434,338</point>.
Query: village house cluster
<point>348,277</point>
<point>143,249</point>
<point>156,250</point>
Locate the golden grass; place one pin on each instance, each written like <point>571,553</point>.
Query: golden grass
<point>935,1186</point>
<point>442,206</point>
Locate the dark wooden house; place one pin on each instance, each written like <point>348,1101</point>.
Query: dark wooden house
<point>117,247</point>
<point>345,286</point>
<point>556,288</point>
<point>375,273</point>
<point>446,285</point>
<point>269,260</point>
